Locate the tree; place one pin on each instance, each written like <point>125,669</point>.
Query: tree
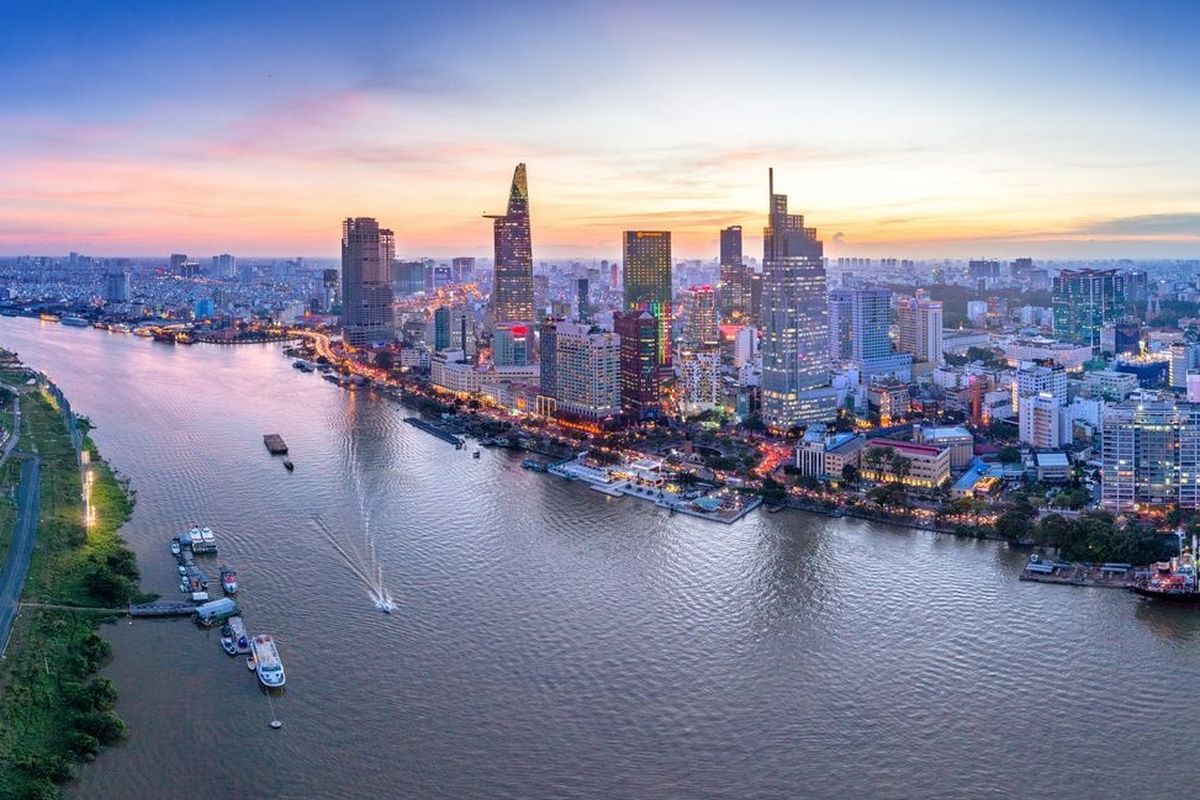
<point>850,474</point>
<point>1009,455</point>
<point>874,457</point>
<point>901,466</point>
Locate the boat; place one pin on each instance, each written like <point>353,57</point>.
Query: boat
<point>75,322</point>
<point>475,454</point>
<point>288,465</point>
<point>251,664</point>
<point>229,581</point>
<point>143,331</point>
<point>1172,580</point>
<point>166,337</point>
<point>100,326</point>
<point>237,632</point>
<point>120,327</point>
<point>228,646</point>
<point>175,548</point>
<point>48,317</point>
<point>269,665</point>
<point>534,464</point>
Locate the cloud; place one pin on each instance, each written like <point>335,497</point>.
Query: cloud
<point>839,237</point>
<point>1181,224</point>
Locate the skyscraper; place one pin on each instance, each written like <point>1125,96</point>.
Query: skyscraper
<point>441,328</point>
<point>921,328</point>
<point>367,252</point>
<point>512,290</point>
<point>463,269</point>
<point>1084,300</point>
<point>1150,455</point>
<point>587,372</point>
<point>795,322</point>
<point>583,308</point>
<point>648,282</point>
<point>117,285</point>
<point>640,370</point>
<point>700,331</point>
<point>734,277</point>
<point>511,345</point>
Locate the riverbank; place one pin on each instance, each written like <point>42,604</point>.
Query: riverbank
<point>54,714</point>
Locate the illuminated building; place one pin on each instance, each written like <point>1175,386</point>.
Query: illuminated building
<point>462,269</point>
<point>640,369</point>
<point>588,372</point>
<point>1084,301</point>
<point>648,282</point>
<point>734,286</point>
<point>367,252</point>
<point>921,328</point>
<point>795,322</point>
<point>582,304</point>
<point>1150,455</point>
<point>511,345</point>
<point>1185,357</point>
<point>441,328</point>
<point>699,380</point>
<point>918,465</point>
<point>700,309</point>
<point>956,438</point>
<point>1041,421</point>
<point>512,289</point>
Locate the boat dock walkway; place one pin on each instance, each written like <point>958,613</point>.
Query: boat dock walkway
<point>429,427</point>
<point>162,609</point>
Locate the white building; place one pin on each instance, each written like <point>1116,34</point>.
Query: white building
<point>588,371</point>
<point>449,370</point>
<point>921,328</point>
<point>1041,422</point>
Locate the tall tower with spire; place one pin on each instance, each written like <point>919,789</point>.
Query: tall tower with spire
<point>795,321</point>
<point>512,289</point>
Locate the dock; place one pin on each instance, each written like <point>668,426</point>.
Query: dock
<point>275,444</point>
<point>1063,573</point>
<point>162,609</point>
<point>429,427</point>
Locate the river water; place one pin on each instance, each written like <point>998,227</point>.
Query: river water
<point>551,642</point>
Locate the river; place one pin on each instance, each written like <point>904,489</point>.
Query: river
<point>551,642</point>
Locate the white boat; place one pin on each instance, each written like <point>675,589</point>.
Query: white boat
<point>174,547</point>
<point>267,662</point>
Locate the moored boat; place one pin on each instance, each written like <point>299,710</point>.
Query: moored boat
<point>268,664</point>
<point>75,322</point>
<point>229,579</point>
<point>1174,579</point>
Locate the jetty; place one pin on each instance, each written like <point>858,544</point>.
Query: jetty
<point>275,444</point>
<point>162,609</point>
<point>429,427</point>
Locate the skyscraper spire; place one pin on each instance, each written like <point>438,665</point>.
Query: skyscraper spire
<point>512,289</point>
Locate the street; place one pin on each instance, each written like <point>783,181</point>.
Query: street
<point>12,576</point>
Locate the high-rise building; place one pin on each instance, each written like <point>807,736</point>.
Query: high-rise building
<point>1084,300</point>
<point>755,280</point>
<point>700,307</point>
<point>117,285</point>
<point>548,358</point>
<point>177,262</point>
<point>1185,357</point>
<point>1150,455</point>
<point>330,281</point>
<point>511,345</point>
<point>462,269</point>
<point>588,372</point>
<point>409,277</point>
<point>648,282</point>
<point>367,254</point>
<point>583,307</point>
<point>795,322</point>
<point>921,328</point>
<point>1040,421</point>
<point>441,328</point>
<point>734,288</point>
<point>512,288</point>
<point>699,380</point>
<point>841,326</point>
<point>224,266</point>
<point>639,331</point>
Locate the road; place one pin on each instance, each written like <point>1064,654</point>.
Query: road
<point>16,429</point>
<point>12,576</point>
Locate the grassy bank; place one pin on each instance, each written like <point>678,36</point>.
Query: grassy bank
<point>54,714</point>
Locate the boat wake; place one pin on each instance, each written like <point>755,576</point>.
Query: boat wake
<point>369,571</point>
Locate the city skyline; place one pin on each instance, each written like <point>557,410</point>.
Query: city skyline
<point>922,135</point>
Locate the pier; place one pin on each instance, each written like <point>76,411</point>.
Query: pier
<point>429,427</point>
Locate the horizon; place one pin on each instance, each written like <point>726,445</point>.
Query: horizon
<point>923,132</point>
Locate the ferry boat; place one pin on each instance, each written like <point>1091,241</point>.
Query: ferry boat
<point>1174,579</point>
<point>267,662</point>
<point>75,322</point>
<point>229,581</point>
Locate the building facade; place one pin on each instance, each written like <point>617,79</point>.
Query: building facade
<point>641,373</point>
<point>588,372</point>
<point>795,322</point>
<point>367,254</point>
<point>648,282</point>
<point>920,323</point>
<point>1085,301</point>
<point>512,286</point>
<point>1150,455</point>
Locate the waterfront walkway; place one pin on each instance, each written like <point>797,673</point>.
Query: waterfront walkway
<point>16,567</point>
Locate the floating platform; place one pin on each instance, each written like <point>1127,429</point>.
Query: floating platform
<point>436,431</point>
<point>275,444</point>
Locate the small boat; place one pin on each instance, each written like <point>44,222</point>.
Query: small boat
<point>238,633</point>
<point>229,580</point>
<point>228,646</point>
<point>183,569</point>
<point>288,465</point>
<point>269,665</point>
<point>251,664</point>
<point>75,322</point>
<point>475,454</point>
<point>175,549</point>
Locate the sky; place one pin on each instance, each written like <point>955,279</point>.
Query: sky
<point>903,129</point>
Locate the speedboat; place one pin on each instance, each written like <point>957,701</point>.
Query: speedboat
<point>229,581</point>
<point>175,549</point>
<point>251,664</point>
<point>227,644</point>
